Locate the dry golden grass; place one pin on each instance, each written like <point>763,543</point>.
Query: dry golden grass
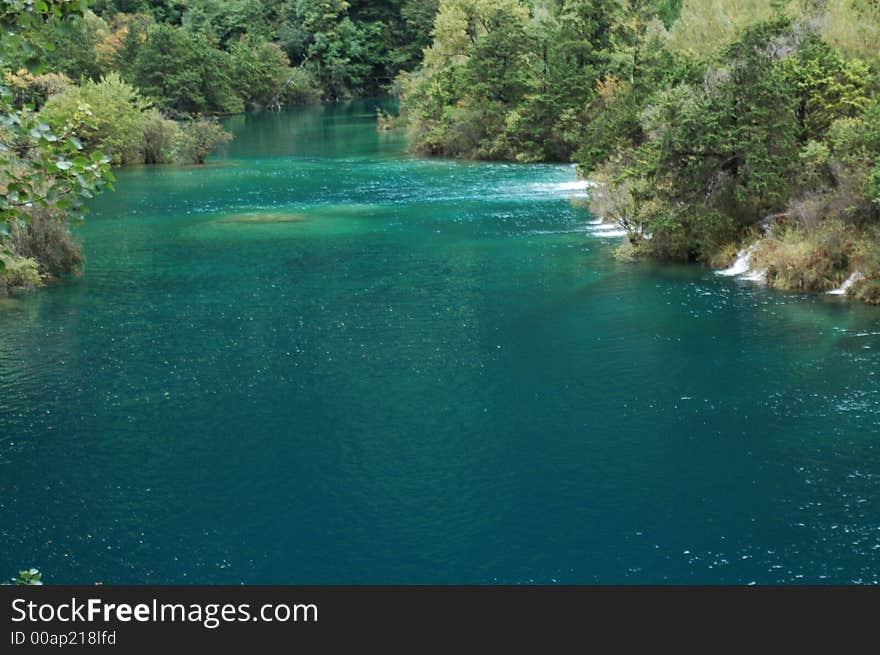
<point>797,258</point>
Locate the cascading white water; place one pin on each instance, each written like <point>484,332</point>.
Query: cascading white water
<point>606,230</point>
<point>742,266</point>
<point>580,185</point>
<point>598,227</point>
<point>843,288</point>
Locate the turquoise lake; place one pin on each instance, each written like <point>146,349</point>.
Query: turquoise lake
<point>318,359</point>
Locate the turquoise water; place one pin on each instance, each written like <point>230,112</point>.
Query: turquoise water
<point>319,360</point>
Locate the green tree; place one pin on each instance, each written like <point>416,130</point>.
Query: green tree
<point>165,11</point>
<point>339,52</point>
<point>259,69</point>
<point>70,45</point>
<point>227,20</point>
<point>498,63</point>
<point>826,86</point>
<point>184,72</point>
<point>734,137</point>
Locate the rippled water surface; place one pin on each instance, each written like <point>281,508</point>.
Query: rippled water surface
<point>319,360</point>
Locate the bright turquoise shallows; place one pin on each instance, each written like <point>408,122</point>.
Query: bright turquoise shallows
<point>320,360</point>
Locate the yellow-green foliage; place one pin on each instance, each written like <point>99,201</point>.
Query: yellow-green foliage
<point>18,273</point>
<point>117,116</point>
<point>30,89</point>
<point>797,258</point>
<point>460,22</point>
<point>851,26</point>
<point>160,136</point>
<point>705,27</point>
<point>197,138</point>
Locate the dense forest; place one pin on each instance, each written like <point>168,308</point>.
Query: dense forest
<point>707,124</point>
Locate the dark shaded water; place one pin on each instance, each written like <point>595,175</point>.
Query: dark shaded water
<point>322,361</point>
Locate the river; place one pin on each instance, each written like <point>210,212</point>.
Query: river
<point>318,359</point>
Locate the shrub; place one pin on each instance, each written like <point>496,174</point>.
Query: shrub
<point>685,234</point>
<point>197,138</point>
<point>46,240</point>
<point>160,135</point>
<point>797,258</point>
<point>116,120</point>
<point>18,273</point>
<point>866,260</point>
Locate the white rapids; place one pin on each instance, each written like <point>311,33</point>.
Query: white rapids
<point>605,230</point>
<point>843,288</point>
<point>742,266</point>
<point>580,185</point>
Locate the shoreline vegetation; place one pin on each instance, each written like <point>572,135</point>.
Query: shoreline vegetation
<point>88,85</point>
<point>728,133</point>
<point>707,124</point>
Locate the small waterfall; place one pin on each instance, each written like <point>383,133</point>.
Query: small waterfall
<point>577,189</point>
<point>843,288</point>
<point>605,230</point>
<point>580,185</point>
<point>742,266</point>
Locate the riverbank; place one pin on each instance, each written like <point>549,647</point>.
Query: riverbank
<point>833,258</point>
<point>713,116</point>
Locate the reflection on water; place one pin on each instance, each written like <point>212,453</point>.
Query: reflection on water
<point>326,361</point>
